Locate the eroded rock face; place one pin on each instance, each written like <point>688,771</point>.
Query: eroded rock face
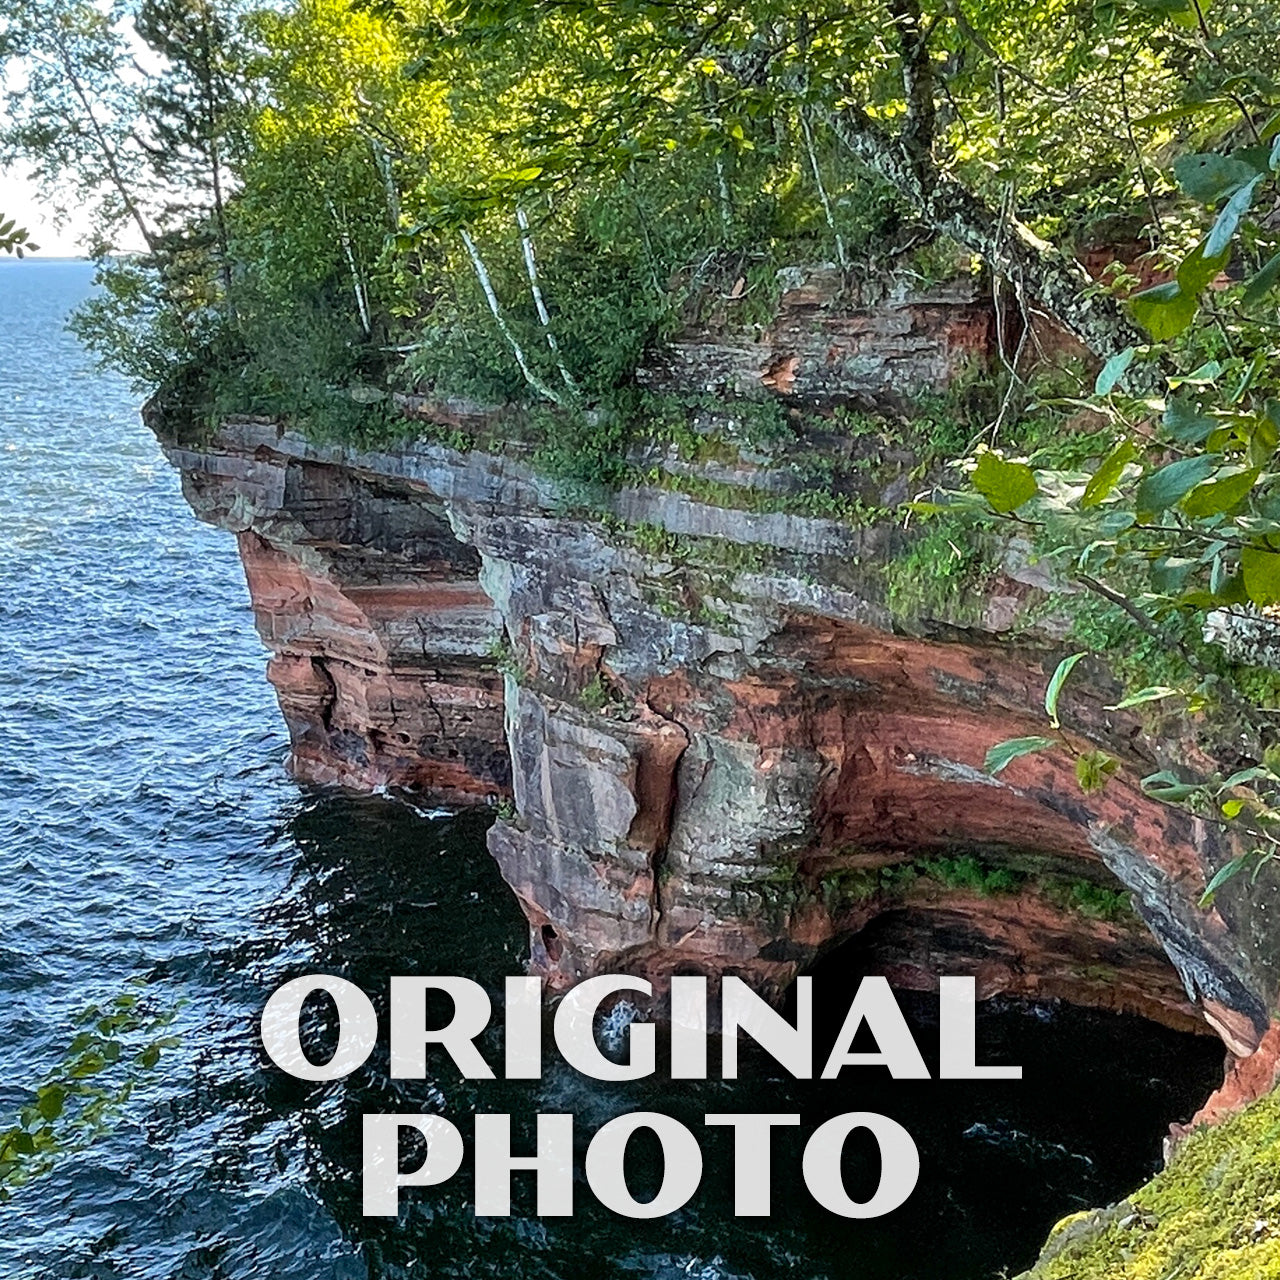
<point>722,753</point>
<point>380,633</point>
<point>895,342</point>
<point>737,788</point>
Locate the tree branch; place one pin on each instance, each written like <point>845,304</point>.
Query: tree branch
<point>1038,272</point>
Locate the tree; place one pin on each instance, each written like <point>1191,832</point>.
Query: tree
<point>192,109</point>
<point>72,103</point>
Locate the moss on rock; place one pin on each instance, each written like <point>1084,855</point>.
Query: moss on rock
<point>1213,1214</point>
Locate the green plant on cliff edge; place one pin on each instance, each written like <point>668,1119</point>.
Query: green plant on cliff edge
<point>379,195</point>
<point>1213,1214</point>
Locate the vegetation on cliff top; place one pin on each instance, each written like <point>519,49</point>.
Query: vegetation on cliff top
<point>509,199</point>
<point>516,201</point>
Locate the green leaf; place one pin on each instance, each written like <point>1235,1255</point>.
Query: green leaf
<point>1186,424</point>
<point>1108,474</point>
<point>1241,776</point>
<point>1230,591</point>
<point>1153,693</point>
<point>1161,489</point>
<point>1202,376</point>
<point>1166,785</point>
<point>1113,371</point>
<point>1261,571</point>
<point>1094,770</point>
<point>50,1100</point>
<point>1221,876</point>
<point>1054,691</point>
<point>87,1064</point>
<point>1004,753</point>
<point>1208,177</point>
<point>1199,268</point>
<point>1164,311</point>
<point>1005,485</point>
<point>1169,574</point>
<point>1263,282</point>
<point>1219,495</point>
<point>1228,220</point>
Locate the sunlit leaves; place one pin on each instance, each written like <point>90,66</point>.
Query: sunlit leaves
<point>1108,474</point>
<point>1094,769</point>
<point>1056,682</point>
<point>1221,495</point>
<point>1261,570</point>
<point>1201,266</point>
<point>1005,485</point>
<point>1153,693</point>
<point>1164,310</point>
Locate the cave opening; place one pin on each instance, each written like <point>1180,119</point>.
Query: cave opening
<point>1002,1161</point>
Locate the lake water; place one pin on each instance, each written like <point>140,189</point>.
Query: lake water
<point>148,829</point>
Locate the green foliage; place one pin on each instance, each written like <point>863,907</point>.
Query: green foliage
<point>1208,1213</point>
<point>595,694</point>
<point>941,573</point>
<point>1176,526</point>
<point>1053,691</point>
<point>967,874</point>
<point>85,1092</point>
<point>13,238</point>
<point>1003,754</point>
<point>518,201</point>
<point>587,450</point>
<point>1095,901</point>
<point>1005,485</point>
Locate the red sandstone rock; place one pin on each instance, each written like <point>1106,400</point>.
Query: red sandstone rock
<point>1248,1078</point>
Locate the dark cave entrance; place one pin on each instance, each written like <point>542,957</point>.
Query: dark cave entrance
<point>1001,1160</point>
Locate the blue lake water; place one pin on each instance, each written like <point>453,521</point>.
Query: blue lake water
<point>148,829</point>
<point>147,825</point>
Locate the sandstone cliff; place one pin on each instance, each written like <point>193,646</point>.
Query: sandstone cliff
<point>714,740</point>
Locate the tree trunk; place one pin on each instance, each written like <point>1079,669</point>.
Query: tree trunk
<point>1042,275</point>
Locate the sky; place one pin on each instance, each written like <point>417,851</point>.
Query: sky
<point>20,200</point>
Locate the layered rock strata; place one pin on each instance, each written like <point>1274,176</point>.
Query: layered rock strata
<point>712,745</point>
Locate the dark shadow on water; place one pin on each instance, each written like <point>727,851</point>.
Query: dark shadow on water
<point>379,890</point>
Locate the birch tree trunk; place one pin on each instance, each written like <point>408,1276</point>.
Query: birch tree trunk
<point>486,285</point>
